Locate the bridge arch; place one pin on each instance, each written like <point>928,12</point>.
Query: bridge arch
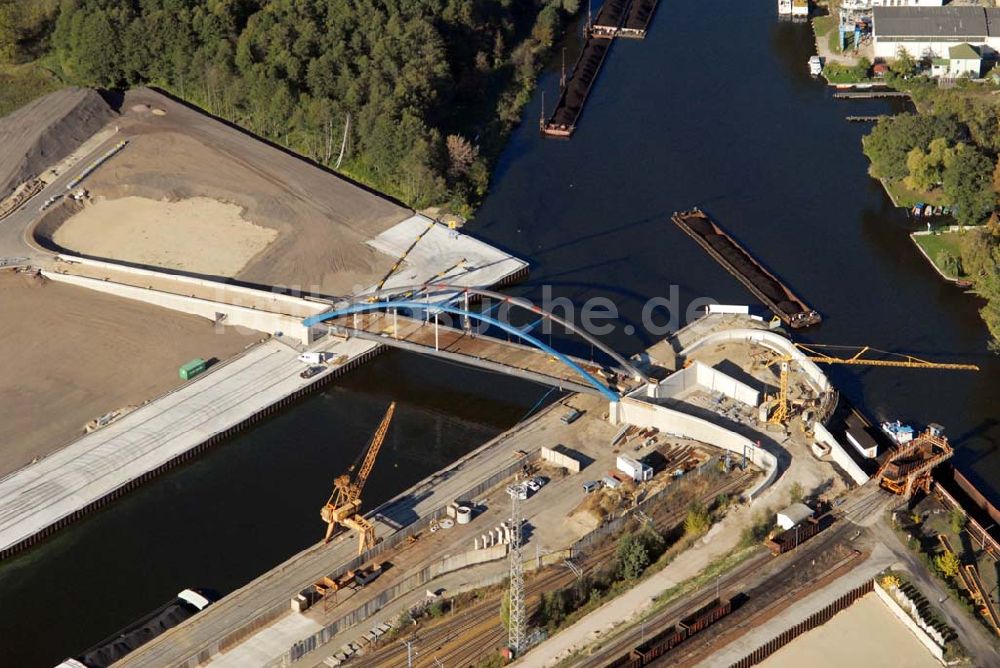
<point>441,289</point>
<point>366,306</point>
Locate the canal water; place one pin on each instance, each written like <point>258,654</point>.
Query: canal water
<point>716,109</point>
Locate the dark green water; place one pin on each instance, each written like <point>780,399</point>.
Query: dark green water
<point>714,108</point>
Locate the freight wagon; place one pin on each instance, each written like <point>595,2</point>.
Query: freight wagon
<point>671,637</point>
<point>798,534</point>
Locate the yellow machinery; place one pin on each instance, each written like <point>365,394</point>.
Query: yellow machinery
<point>399,263</point>
<point>345,501</point>
<point>782,410</point>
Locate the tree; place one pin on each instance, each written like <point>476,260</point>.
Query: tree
<point>949,264</point>
<point>461,155</point>
<point>893,137</point>
<point>947,563</point>
<point>632,556</point>
<point>697,521</point>
<point>796,493</point>
<point>904,65</point>
<point>957,520</point>
<point>968,183</point>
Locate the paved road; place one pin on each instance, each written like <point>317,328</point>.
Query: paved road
<point>974,637</point>
<point>14,228</point>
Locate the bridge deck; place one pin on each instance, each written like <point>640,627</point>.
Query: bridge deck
<point>466,347</point>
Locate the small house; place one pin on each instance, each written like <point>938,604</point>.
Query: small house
<point>965,60</point>
<point>794,514</point>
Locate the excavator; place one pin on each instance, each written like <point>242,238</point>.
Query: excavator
<point>341,509</point>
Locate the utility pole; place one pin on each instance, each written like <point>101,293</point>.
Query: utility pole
<point>517,631</point>
<point>409,653</point>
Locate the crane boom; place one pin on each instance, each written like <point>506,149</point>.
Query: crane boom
<point>781,410</point>
<point>373,448</point>
<point>345,500</point>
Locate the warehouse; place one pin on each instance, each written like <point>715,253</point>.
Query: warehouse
<point>929,32</point>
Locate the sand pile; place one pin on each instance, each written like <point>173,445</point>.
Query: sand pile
<point>198,235</point>
<point>45,131</point>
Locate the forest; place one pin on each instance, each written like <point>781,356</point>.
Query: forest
<point>411,97</point>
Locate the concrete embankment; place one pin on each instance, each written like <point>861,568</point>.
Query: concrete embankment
<point>100,467</point>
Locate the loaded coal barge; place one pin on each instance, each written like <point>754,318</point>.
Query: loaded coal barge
<point>738,262</point>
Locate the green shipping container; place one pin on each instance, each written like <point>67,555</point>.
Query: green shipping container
<point>192,368</point>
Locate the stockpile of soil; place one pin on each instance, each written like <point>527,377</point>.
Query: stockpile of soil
<point>40,134</point>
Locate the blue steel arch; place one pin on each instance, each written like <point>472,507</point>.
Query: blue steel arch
<point>610,394</point>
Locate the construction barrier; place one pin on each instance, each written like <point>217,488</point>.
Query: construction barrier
<point>561,459</point>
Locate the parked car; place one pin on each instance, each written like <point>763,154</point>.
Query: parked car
<point>536,483</point>
<point>571,416</point>
<point>592,486</point>
<point>312,371</point>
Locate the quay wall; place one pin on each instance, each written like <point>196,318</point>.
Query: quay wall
<point>839,455</point>
<point>135,482</point>
<point>775,342</point>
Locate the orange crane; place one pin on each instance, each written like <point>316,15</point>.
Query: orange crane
<point>342,507</point>
<point>782,410</point>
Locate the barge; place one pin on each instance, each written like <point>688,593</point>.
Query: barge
<point>114,648</point>
<point>574,93</point>
<point>792,310</point>
<point>609,18</point>
<point>636,24</point>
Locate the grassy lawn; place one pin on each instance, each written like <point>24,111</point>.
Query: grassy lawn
<point>906,197</point>
<point>20,84</point>
<point>935,244</point>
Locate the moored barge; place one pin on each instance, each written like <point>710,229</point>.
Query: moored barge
<point>792,310</point>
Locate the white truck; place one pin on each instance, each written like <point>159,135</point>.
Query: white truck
<point>313,358</point>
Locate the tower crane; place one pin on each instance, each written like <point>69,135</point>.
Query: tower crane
<point>345,501</point>
<point>782,410</point>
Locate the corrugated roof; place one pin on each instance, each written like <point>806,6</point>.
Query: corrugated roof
<point>932,21</point>
<point>963,52</point>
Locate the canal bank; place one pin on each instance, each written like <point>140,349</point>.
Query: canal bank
<point>785,174</point>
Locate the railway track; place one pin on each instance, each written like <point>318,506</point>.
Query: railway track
<point>772,587</point>
<point>476,631</point>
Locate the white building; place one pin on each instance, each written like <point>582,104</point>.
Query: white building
<point>965,60</point>
<point>930,32</point>
<point>634,469</point>
<point>794,514</point>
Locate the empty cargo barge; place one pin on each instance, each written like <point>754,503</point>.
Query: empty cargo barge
<point>738,262</point>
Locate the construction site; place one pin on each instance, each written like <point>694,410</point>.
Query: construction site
<point>229,279</point>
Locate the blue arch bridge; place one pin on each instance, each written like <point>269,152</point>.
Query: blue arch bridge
<point>436,319</point>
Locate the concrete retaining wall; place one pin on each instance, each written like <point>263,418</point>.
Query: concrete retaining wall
<point>466,559</point>
<point>643,414</point>
<point>560,459</point>
<point>837,452</point>
<point>702,375</point>
<point>239,316</point>
<point>775,342</point>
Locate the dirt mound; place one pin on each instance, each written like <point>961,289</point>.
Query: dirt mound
<point>42,133</point>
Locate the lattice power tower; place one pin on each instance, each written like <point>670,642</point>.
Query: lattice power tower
<point>517,629</point>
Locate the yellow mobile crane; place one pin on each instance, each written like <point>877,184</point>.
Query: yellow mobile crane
<point>782,409</point>
<point>345,501</point>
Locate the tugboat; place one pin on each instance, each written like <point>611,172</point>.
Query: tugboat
<point>815,66</point>
<point>899,433</point>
